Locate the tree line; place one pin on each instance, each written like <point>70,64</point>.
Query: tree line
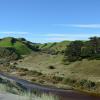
<point>78,50</point>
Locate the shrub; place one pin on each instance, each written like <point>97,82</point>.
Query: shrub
<point>82,82</point>
<point>69,81</point>
<point>51,67</point>
<point>91,84</point>
<point>57,78</point>
<point>41,81</point>
<point>87,84</point>
<point>33,79</point>
<point>13,67</point>
<point>34,73</point>
<point>23,69</point>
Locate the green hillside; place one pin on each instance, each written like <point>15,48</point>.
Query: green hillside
<point>55,47</point>
<point>21,47</point>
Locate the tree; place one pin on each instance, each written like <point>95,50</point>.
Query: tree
<point>73,51</point>
<point>95,44</point>
<point>80,50</point>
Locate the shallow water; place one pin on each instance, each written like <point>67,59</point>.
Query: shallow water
<point>63,94</point>
<point>73,95</point>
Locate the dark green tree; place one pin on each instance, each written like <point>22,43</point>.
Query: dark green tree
<point>73,51</point>
<point>95,44</point>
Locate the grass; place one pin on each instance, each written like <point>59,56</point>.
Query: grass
<point>21,47</point>
<point>43,63</point>
<point>6,42</point>
<point>56,46</point>
<point>25,95</point>
<point>6,88</point>
<point>78,70</point>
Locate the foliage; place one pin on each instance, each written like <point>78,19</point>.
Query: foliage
<point>78,50</point>
<point>73,50</point>
<point>82,83</point>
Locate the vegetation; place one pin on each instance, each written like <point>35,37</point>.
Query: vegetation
<point>73,51</point>
<point>51,67</point>
<point>54,48</point>
<point>21,45</point>
<point>81,83</point>
<point>46,67</point>
<point>78,50</point>
<point>18,91</point>
<point>25,95</point>
<point>8,53</point>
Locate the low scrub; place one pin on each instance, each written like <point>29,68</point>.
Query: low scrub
<point>51,67</point>
<point>83,83</point>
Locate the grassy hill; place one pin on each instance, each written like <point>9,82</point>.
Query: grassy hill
<point>54,47</point>
<point>42,60</point>
<point>20,46</point>
<point>49,66</point>
<point>23,46</point>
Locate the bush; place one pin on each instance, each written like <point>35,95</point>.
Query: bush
<point>57,78</point>
<point>34,73</point>
<point>87,84</point>
<point>69,81</point>
<point>91,84</point>
<point>23,69</point>
<point>84,84</point>
<point>51,67</point>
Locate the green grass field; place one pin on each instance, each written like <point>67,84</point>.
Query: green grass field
<point>56,46</point>
<point>21,47</point>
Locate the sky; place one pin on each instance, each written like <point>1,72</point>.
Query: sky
<point>50,20</point>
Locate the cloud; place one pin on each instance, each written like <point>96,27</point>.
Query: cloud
<point>86,25</point>
<point>55,34</point>
<point>59,39</point>
<point>14,33</point>
<point>80,25</point>
<point>69,36</point>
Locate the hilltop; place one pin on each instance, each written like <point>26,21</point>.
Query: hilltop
<point>16,47</point>
<point>54,48</point>
<point>21,45</point>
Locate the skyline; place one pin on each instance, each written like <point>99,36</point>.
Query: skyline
<point>50,20</point>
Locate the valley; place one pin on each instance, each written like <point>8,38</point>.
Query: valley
<point>50,64</point>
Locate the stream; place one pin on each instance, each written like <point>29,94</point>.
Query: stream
<point>61,93</point>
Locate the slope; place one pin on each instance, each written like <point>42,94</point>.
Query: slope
<point>21,47</point>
